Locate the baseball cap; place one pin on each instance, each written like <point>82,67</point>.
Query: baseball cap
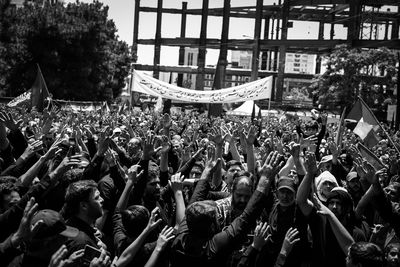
<point>53,224</point>
<point>286,182</point>
<point>325,159</point>
<point>117,130</point>
<point>350,176</point>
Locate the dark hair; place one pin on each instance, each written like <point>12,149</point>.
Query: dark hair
<point>238,176</point>
<point>76,193</point>
<point>366,254</point>
<point>312,125</point>
<point>233,163</point>
<point>6,189</point>
<point>8,179</point>
<point>201,218</point>
<point>390,246</point>
<point>135,219</point>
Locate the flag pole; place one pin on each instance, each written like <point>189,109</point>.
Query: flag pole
<point>380,125</point>
<point>339,136</point>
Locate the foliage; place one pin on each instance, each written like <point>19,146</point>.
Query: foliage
<point>75,45</point>
<point>353,72</point>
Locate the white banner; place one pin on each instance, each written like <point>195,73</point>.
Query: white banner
<point>23,98</point>
<point>260,89</point>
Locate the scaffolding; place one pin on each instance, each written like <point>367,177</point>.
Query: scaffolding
<point>364,19</point>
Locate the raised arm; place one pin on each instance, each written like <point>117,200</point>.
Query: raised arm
<point>236,232</point>
<point>304,190</point>
<point>343,237</point>
<point>27,178</point>
<point>130,252</point>
<point>166,235</point>
<point>176,185</point>
<point>217,137</point>
<point>250,139</point>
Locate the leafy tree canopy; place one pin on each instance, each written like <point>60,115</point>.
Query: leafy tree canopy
<point>356,72</point>
<point>76,46</point>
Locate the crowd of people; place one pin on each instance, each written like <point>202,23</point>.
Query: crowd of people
<point>149,189</point>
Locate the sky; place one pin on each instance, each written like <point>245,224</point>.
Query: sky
<point>122,13</point>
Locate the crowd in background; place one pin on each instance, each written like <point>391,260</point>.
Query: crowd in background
<point>148,189</point>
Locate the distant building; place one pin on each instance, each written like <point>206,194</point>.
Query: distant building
<point>190,59</point>
<point>300,63</point>
<point>242,59</point>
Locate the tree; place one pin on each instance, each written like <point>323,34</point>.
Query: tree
<point>76,46</point>
<point>354,72</point>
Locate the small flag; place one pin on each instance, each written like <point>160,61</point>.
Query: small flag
<point>39,91</point>
<point>367,125</point>
<point>370,157</point>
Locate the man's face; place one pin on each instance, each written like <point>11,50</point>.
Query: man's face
<point>241,196</point>
<point>326,188</point>
<point>176,146</point>
<point>195,173</point>
<point>326,166</point>
<point>392,193</point>
<point>393,257</point>
<point>354,185</point>
<point>310,131</point>
<point>134,147</point>
<point>335,205</point>
<point>285,197</point>
<point>95,205</point>
<point>231,172</point>
<point>153,188</point>
<point>9,200</point>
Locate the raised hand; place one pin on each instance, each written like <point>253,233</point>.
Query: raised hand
<point>290,240</point>
<point>334,149</point>
<point>8,121</point>
<point>321,208</point>
<point>212,162</point>
<point>102,261</point>
<point>165,145</point>
<point>133,175</point>
<point>307,142</point>
<point>54,149</point>
<point>68,162</point>
<point>103,142</point>
<point>176,182</point>
<point>148,146</point>
<point>109,157</point>
<point>153,221</point>
<point>251,136</point>
<point>272,165</point>
<point>217,136</point>
<point>31,149</point>
<point>25,230</point>
<point>294,150</point>
<point>311,163</point>
<point>261,236</point>
<point>58,258</point>
<point>166,235</point>
<point>370,174</point>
